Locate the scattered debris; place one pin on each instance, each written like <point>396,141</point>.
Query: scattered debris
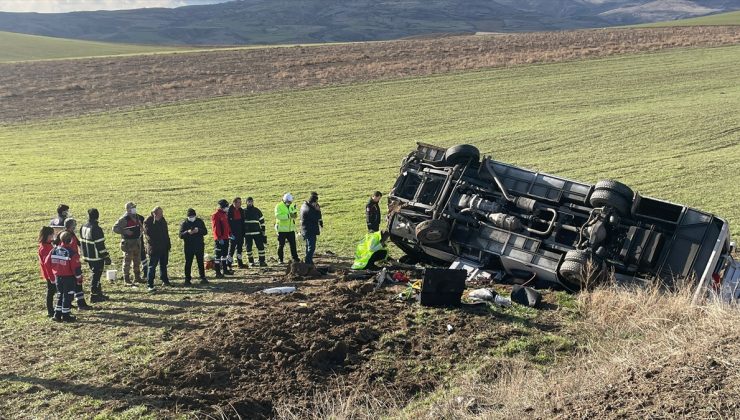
<point>482,295</point>
<point>525,296</point>
<point>279,290</point>
<point>502,301</point>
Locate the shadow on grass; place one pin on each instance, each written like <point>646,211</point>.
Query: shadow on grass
<point>127,395</point>
<point>128,320</point>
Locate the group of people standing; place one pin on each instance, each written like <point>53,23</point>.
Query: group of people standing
<point>146,245</point>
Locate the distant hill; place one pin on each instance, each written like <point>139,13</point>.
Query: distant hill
<point>22,47</point>
<point>303,21</point>
<point>729,18</point>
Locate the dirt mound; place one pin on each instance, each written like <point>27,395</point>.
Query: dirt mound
<point>287,348</point>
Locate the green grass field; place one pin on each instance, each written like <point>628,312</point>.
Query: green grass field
<point>22,47</point>
<point>729,18</point>
<point>665,123</point>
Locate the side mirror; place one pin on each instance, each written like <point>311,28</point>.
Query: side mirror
<point>733,247</point>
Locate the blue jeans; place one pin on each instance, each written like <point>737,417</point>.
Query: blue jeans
<point>310,247</point>
<point>162,260</point>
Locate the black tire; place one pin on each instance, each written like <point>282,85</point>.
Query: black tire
<point>617,187</point>
<point>607,198</point>
<point>576,273</point>
<point>577,255</point>
<point>432,231</point>
<point>462,153</point>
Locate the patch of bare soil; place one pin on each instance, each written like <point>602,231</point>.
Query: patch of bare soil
<point>40,90</point>
<point>328,336</point>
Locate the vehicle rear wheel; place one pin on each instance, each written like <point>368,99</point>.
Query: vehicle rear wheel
<point>617,187</point>
<point>607,198</point>
<point>462,153</point>
<point>580,270</point>
<point>432,231</point>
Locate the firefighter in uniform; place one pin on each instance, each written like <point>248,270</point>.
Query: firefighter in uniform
<point>130,227</point>
<point>236,215</point>
<point>65,265</point>
<point>285,220</point>
<point>94,253</point>
<point>372,212</point>
<point>221,234</point>
<point>254,231</point>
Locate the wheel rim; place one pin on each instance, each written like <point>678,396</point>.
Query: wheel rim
<point>434,235</point>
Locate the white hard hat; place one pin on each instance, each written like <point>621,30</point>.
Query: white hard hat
<point>288,197</point>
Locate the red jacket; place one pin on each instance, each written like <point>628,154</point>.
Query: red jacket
<point>75,244</point>
<point>65,262</point>
<point>220,225</point>
<point>46,271</point>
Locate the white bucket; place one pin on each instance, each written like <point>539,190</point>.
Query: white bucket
<point>111,274</point>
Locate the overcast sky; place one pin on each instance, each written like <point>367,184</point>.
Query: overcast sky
<point>60,6</point>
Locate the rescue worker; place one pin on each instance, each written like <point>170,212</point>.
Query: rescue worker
<point>65,265</point>
<point>158,246</point>
<point>57,223</point>
<point>192,232</point>
<point>46,237</point>
<point>371,250</point>
<point>372,212</point>
<point>254,231</point>
<point>70,226</point>
<point>221,234</point>
<point>311,224</point>
<point>95,253</point>
<point>285,218</point>
<point>130,227</point>
<point>236,216</point>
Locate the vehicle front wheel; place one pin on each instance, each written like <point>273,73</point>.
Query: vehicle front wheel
<point>432,231</point>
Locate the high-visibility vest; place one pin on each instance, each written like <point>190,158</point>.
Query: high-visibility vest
<point>283,221</point>
<point>366,248</point>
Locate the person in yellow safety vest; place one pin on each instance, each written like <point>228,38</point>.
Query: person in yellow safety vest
<point>285,218</point>
<point>370,250</point>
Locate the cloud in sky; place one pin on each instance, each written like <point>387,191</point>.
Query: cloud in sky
<point>61,6</point>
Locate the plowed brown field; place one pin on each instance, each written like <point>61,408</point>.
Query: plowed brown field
<point>40,90</point>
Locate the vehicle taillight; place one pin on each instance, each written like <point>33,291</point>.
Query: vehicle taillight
<point>717,280</point>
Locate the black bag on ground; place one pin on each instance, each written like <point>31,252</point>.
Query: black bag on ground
<point>442,287</point>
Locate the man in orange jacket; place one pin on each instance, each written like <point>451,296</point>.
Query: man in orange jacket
<point>221,234</point>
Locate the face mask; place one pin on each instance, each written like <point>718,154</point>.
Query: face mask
<point>133,210</point>
<point>224,209</point>
<point>191,219</point>
<point>65,213</point>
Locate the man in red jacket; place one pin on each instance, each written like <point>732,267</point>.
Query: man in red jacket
<point>221,234</point>
<point>70,225</point>
<point>65,264</point>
